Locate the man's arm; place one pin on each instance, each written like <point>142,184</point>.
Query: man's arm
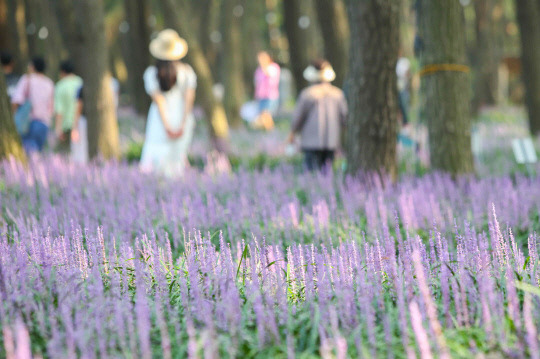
<point>299,117</point>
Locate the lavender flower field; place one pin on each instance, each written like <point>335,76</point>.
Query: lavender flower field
<point>106,262</point>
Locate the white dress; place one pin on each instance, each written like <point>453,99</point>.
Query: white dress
<point>161,153</point>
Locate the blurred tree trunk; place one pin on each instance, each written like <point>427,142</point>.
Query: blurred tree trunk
<point>176,15</point>
<point>446,90</point>
<point>528,15</point>
<point>51,47</point>
<point>10,141</point>
<point>488,51</point>
<point>5,38</point>
<point>315,46</point>
<point>256,38</point>
<point>208,22</point>
<point>115,58</point>
<point>138,37</point>
<point>17,27</point>
<point>335,31</point>
<point>277,43</point>
<point>65,14</point>
<point>407,27</point>
<point>99,106</point>
<point>298,40</point>
<point>234,84</point>
<point>31,26</point>
<point>372,95</point>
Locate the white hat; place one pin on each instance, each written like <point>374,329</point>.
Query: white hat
<point>325,74</point>
<point>169,46</point>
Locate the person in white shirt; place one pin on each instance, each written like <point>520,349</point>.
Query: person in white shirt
<point>403,72</point>
<point>171,84</point>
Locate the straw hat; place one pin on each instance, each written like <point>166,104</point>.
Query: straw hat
<point>168,46</point>
<point>325,74</point>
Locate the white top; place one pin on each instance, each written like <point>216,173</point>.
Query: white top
<point>160,152</point>
<point>402,70</point>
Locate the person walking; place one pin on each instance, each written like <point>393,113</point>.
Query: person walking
<point>267,78</point>
<point>38,90</point>
<point>320,114</point>
<point>171,84</point>
<point>65,105</point>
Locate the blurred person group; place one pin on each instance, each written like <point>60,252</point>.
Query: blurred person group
<point>318,119</point>
<point>33,105</point>
<point>43,110</point>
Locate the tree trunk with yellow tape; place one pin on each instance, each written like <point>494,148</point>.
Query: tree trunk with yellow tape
<point>445,85</point>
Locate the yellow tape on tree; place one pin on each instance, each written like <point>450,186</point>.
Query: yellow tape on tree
<point>431,69</point>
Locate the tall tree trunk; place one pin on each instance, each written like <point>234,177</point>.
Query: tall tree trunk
<point>335,31</point>
<point>234,84</point>
<point>51,47</point>
<point>528,15</point>
<point>176,16</point>
<point>277,43</point>
<point>315,45</point>
<point>256,38</point>
<point>10,141</point>
<point>17,27</point>
<point>69,30</point>
<point>5,38</point>
<point>137,14</point>
<point>208,22</point>
<point>446,88</point>
<point>298,40</point>
<point>31,26</point>
<point>99,103</point>
<point>488,51</point>
<point>206,18</point>
<point>43,38</point>
<point>372,95</point>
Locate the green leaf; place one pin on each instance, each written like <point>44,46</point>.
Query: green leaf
<point>244,255</point>
<point>526,287</point>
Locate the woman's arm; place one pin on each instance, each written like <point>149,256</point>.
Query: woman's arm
<point>189,100</point>
<point>151,85</point>
<point>159,99</point>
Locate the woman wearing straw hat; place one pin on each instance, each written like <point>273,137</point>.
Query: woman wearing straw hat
<point>320,114</point>
<point>171,84</point>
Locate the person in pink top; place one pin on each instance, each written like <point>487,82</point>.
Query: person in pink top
<point>38,89</point>
<point>266,89</point>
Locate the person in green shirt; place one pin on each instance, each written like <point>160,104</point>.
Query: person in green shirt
<point>65,104</point>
